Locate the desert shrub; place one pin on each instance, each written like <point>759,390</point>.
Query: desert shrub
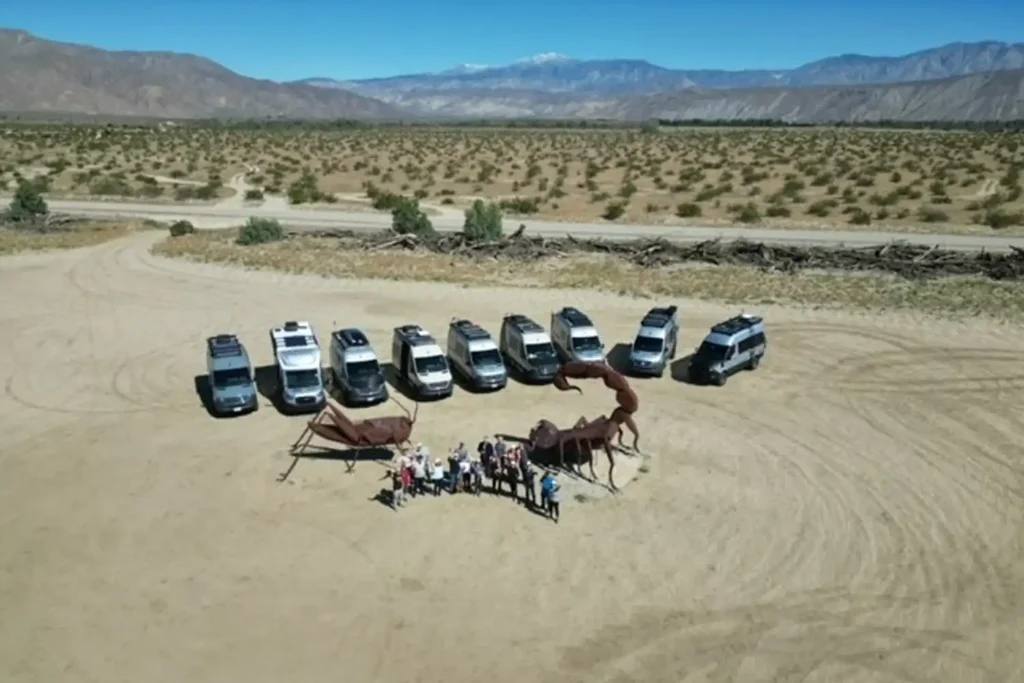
<point>931,215</point>
<point>305,190</point>
<point>28,204</point>
<point>483,222</point>
<point>387,201</point>
<point>253,195</point>
<point>614,211</point>
<point>999,218</point>
<point>521,205</point>
<point>689,210</point>
<point>860,217</point>
<point>776,211</point>
<point>181,228</point>
<point>408,219</point>
<point>205,192</point>
<point>260,231</point>
<point>111,187</point>
<point>749,214</point>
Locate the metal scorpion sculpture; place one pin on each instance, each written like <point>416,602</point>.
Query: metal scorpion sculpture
<point>584,435</point>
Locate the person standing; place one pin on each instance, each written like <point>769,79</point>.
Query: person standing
<point>419,475</point>
<point>555,499</point>
<point>397,497</point>
<point>512,472</point>
<point>529,488</point>
<point>437,477</point>
<point>486,451</point>
<point>406,482</point>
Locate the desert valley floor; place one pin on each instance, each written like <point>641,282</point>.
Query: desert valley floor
<point>850,512</point>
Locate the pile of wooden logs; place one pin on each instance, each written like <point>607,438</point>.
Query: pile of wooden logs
<point>905,260</point>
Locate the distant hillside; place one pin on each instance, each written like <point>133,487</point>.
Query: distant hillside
<point>992,96</point>
<point>41,75</point>
<point>555,85</point>
<point>557,73</point>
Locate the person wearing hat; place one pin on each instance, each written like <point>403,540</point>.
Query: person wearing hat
<point>437,476</point>
<point>419,473</point>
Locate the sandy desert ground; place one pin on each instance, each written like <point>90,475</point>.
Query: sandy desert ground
<point>850,512</point>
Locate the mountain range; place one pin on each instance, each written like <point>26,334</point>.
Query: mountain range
<point>960,81</point>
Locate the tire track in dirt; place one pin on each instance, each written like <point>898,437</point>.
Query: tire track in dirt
<point>910,547</point>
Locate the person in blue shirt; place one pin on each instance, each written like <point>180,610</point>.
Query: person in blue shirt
<point>550,491</point>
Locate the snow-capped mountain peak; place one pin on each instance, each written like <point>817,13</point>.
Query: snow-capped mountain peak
<point>544,58</point>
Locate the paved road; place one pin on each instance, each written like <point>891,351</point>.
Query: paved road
<point>233,214</point>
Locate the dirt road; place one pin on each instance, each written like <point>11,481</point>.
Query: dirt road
<point>231,212</point>
<point>849,512</point>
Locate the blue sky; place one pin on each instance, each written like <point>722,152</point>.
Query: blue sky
<point>288,40</point>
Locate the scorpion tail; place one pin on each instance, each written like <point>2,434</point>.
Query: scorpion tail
<point>562,384</point>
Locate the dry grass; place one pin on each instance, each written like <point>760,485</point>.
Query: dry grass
<point>903,181</point>
<point>14,241</point>
<point>948,297</point>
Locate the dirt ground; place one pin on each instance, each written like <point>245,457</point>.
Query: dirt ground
<point>849,512</point>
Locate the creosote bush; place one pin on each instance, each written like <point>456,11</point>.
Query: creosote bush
<point>408,219</point>
<point>181,228</point>
<point>28,204</point>
<point>483,222</point>
<point>260,231</point>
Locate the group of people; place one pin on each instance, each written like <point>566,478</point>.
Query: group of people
<point>497,461</point>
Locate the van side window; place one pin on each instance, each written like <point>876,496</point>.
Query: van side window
<point>746,344</point>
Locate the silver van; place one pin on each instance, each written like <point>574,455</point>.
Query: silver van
<point>474,355</point>
<point>735,344</point>
<point>575,337</point>
<point>655,343</point>
<point>229,372</point>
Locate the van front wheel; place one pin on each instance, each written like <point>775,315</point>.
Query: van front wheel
<point>754,362</point>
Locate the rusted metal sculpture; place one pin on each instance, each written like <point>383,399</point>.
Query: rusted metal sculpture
<point>584,435</point>
<point>332,424</point>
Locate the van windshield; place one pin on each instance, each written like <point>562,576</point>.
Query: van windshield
<point>431,364</point>
<point>236,377</point>
<point>712,352</point>
<point>302,379</point>
<point>586,343</point>
<point>363,368</point>
<point>485,359</point>
<point>543,351</point>
<point>647,344</point>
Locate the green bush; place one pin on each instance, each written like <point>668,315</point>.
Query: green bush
<point>483,222</point>
<point>521,205</point>
<point>860,217</point>
<point>776,211</point>
<point>614,211</point>
<point>28,204</point>
<point>387,201</point>
<point>305,190</point>
<point>408,219</point>
<point>1000,219</point>
<point>689,210</point>
<point>749,214</point>
<point>253,195</point>
<point>260,231</point>
<point>931,215</point>
<point>181,228</point>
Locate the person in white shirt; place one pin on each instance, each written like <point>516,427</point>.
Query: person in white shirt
<point>437,476</point>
